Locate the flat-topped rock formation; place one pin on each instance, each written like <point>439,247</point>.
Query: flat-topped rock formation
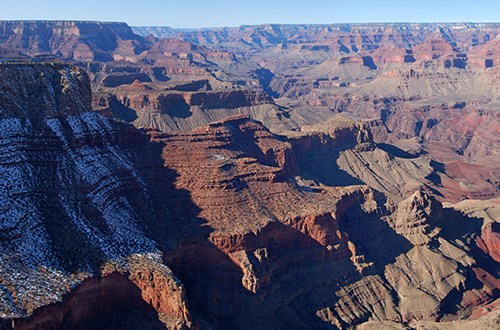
<point>78,40</point>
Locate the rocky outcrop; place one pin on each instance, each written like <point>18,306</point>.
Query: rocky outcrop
<point>74,201</point>
<point>334,246</point>
<point>490,240</point>
<point>415,216</point>
<point>31,91</point>
<point>240,186</point>
<point>182,111</point>
<point>149,297</point>
<point>83,41</point>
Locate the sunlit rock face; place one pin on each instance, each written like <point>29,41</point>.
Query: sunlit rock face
<point>221,188</point>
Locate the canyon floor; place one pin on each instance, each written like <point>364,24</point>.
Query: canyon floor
<point>256,177</point>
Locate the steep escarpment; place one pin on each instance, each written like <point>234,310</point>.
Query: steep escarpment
<point>74,207</point>
<point>447,281</point>
<point>227,226</point>
<point>300,251</point>
<point>430,88</point>
<point>32,91</point>
<point>241,178</point>
<point>342,152</point>
<point>78,40</point>
<point>182,111</point>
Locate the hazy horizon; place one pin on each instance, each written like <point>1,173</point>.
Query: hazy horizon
<point>224,13</point>
<point>257,24</point>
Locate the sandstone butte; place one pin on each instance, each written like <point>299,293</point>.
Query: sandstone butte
<point>270,177</point>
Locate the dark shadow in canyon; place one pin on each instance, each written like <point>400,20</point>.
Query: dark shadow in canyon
<point>121,111</point>
<point>435,176</point>
<point>169,214</point>
<point>456,226</point>
<point>174,105</point>
<point>395,151</point>
<point>160,74</point>
<point>328,172</point>
<point>373,236</point>
<point>293,258</point>
<point>318,161</point>
<point>125,78</point>
<point>110,303</point>
<point>265,77</point>
<point>368,62</point>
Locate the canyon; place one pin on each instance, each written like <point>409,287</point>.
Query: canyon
<point>426,88</point>
<point>271,177</point>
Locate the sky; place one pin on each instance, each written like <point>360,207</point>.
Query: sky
<point>218,13</point>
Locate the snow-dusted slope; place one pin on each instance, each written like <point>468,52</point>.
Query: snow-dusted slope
<point>71,200</point>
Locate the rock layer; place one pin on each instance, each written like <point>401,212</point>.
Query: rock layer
<point>226,226</point>
<point>428,88</point>
<point>73,199</point>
